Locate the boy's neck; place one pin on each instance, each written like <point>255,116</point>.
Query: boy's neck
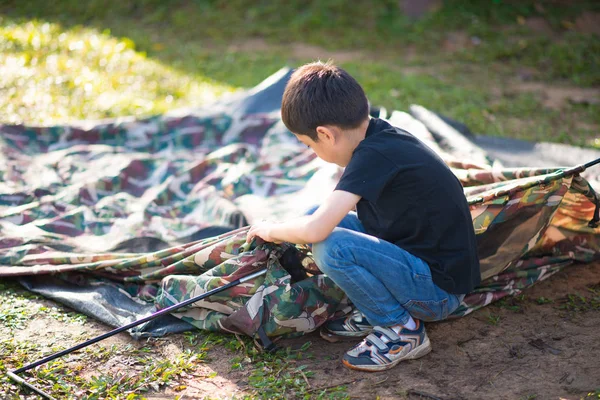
<point>356,135</point>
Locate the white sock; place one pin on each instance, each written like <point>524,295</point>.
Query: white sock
<point>410,324</point>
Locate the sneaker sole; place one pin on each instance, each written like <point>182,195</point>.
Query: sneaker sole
<point>422,350</point>
<point>333,338</point>
<point>349,333</point>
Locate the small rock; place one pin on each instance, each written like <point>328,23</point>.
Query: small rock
<point>526,74</point>
<point>583,100</point>
<point>539,25</point>
<point>415,9</point>
<point>476,40</point>
<point>588,22</point>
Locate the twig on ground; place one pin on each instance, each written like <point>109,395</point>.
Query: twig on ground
<point>237,336</point>
<point>563,378</point>
<point>380,382</point>
<point>305,378</point>
<point>422,394</point>
<point>461,342</point>
<point>334,385</point>
<point>258,346</point>
<point>285,365</point>
<point>490,380</point>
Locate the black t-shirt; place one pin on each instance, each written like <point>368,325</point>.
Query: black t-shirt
<point>410,197</point>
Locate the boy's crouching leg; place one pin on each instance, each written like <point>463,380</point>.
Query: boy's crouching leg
<point>388,342</point>
<point>334,257</point>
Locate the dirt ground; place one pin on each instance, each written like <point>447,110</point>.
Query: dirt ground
<point>516,349</point>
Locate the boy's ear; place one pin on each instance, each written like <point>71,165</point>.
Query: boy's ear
<point>326,133</point>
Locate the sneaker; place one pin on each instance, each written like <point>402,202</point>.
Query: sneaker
<point>383,348</point>
<point>354,324</point>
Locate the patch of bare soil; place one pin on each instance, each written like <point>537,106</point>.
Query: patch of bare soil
<point>415,9</point>
<point>251,45</point>
<point>515,350</point>
<point>539,350</point>
<point>301,51</point>
<point>540,25</point>
<point>588,22</point>
<point>306,51</point>
<point>456,41</point>
<point>556,97</point>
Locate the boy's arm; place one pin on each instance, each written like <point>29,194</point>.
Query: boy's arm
<point>309,228</point>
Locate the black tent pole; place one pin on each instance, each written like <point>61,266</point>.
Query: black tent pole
<point>591,163</point>
<point>581,167</point>
<point>14,374</point>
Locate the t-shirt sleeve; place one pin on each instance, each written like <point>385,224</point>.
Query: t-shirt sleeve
<point>367,174</point>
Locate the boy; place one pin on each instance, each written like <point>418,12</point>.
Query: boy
<point>409,253</point>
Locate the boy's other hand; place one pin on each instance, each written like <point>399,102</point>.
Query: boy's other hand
<point>262,230</point>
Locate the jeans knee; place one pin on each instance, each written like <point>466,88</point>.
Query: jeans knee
<point>319,251</point>
<point>326,252</point>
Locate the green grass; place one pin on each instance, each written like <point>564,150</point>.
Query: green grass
<point>135,371</point>
<point>54,74</point>
<point>279,375</point>
<point>18,309</point>
<point>543,300</point>
<point>578,302</point>
<point>62,379</point>
<point>512,303</point>
<point>593,395</point>
<point>493,319</point>
<point>98,59</point>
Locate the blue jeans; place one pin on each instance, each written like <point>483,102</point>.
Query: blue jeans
<point>385,283</point>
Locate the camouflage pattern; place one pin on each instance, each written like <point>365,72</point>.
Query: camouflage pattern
<point>71,195</point>
<point>273,301</point>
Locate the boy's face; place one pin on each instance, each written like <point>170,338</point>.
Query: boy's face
<point>330,146</point>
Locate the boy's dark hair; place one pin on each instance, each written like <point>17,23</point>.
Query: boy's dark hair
<point>322,94</point>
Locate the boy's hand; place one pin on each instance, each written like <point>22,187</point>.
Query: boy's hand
<point>262,230</point>
<point>308,228</point>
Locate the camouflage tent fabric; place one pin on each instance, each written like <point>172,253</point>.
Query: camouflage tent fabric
<point>74,197</point>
